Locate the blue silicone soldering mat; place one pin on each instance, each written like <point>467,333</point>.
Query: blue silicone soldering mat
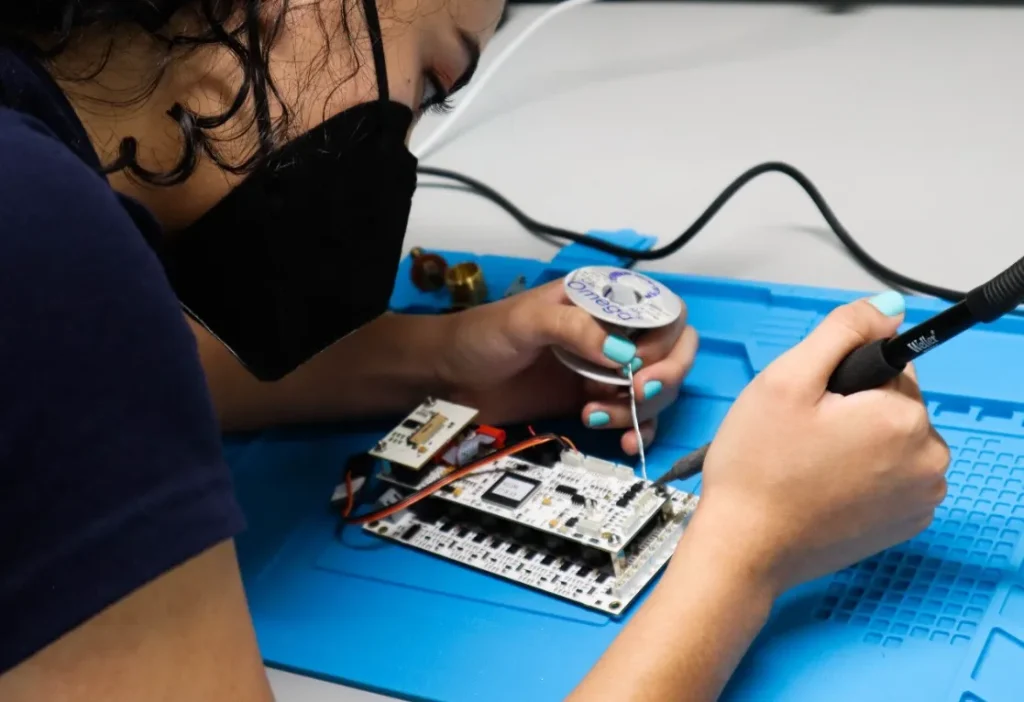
<point>938,618</point>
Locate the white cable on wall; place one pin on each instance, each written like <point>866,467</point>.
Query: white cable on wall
<point>423,150</point>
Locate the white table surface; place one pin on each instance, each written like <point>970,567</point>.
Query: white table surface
<point>910,120</point>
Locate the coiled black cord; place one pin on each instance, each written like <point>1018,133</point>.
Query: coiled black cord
<point>866,260</point>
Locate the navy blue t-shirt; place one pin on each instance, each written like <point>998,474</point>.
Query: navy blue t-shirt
<point>111,469</point>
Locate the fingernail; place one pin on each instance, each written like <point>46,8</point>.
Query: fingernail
<point>636,364</point>
<point>619,350</point>
<point>651,388</point>
<point>890,303</point>
<point>598,419</point>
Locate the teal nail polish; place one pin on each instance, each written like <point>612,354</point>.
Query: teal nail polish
<point>636,364</point>
<point>651,388</point>
<point>619,350</point>
<point>890,303</point>
<point>598,419</point>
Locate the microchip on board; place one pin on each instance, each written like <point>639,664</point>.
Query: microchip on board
<point>510,490</point>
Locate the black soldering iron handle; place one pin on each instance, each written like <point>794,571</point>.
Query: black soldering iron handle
<point>874,365</point>
<point>881,361</point>
<point>864,369</point>
<point>998,296</point>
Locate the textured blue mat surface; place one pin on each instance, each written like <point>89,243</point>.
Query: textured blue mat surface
<point>938,618</point>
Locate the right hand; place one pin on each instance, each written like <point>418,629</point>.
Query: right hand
<point>800,482</point>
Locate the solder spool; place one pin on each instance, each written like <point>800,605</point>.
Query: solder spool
<point>625,302</point>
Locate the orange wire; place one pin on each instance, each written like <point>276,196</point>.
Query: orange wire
<point>570,444</point>
<point>451,478</point>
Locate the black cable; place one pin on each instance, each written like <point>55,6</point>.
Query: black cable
<point>868,262</point>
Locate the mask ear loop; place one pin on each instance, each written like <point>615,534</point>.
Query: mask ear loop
<point>377,48</point>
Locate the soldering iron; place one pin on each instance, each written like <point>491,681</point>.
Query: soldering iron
<point>875,364</point>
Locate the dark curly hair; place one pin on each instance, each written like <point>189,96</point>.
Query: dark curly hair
<point>247,28</point>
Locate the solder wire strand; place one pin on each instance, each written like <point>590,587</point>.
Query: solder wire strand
<point>636,423</point>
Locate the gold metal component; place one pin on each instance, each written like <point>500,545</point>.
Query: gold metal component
<point>466,284</point>
<point>457,491</point>
<point>426,432</point>
<point>553,523</point>
<point>546,500</point>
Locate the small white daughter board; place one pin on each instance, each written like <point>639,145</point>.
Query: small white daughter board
<point>427,430</point>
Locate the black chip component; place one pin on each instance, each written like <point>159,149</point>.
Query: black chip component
<point>411,532</point>
<point>583,572</point>
<point>529,554</point>
<point>601,578</point>
<point>479,538</point>
<point>448,488</point>
<point>511,490</point>
<point>448,526</point>
<point>571,521</point>
<point>411,424</point>
<point>548,560</point>
<point>578,499</point>
<point>462,532</point>
<point>629,495</point>
<point>565,565</point>
<point>496,542</point>
<point>545,455</point>
<point>513,549</point>
<point>566,489</point>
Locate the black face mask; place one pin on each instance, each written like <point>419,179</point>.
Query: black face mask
<point>306,249</point>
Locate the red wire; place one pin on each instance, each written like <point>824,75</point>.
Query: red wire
<point>451,478</point>
<point>350,498</point>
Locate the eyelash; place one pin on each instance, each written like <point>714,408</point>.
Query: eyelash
<point>442,107</point>
<point>439,102</point>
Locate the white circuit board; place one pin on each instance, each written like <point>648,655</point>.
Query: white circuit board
<point>563,576</point>
<point>428,429</point>
<point>578,498</point>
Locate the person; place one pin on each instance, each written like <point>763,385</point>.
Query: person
<point>202,207</point>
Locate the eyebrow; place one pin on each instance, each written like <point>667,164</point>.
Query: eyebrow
<point>472,48</point>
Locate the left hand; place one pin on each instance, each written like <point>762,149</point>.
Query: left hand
<point>499,361</point>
